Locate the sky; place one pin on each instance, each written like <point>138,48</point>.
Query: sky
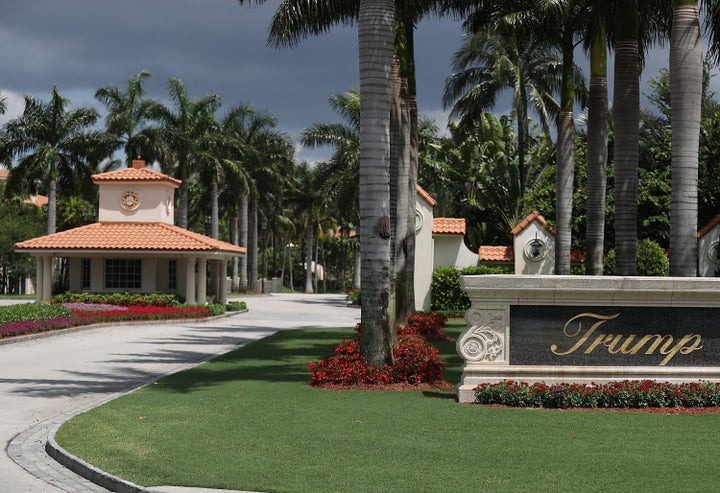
<point>214,46</point>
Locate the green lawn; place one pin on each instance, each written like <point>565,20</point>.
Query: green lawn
<point>248,420</point>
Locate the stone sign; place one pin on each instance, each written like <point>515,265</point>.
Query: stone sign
<point>625,336</point>
<point>584,329</point>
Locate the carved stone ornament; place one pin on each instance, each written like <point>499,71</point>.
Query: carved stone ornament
<point>484,340</point>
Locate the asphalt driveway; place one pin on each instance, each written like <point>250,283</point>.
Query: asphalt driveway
<point>45,378</point>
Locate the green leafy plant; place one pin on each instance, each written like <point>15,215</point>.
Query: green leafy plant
<point>445,294</point>
<point>353,296</point>
<point>651,260</point>
<point>622,394</point>
<point>121,299</point>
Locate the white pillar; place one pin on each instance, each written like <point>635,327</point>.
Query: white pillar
<point>190,281</point>
<point>222,274</point>
<point>202,281</point>
<point>47,279</point>
<point>38,279</point>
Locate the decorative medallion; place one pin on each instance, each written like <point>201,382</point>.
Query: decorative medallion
<point>129,200</point>
<point>484,339</point>
<point>713,253</point>
<point>418,220</point>
<point>535,249</point>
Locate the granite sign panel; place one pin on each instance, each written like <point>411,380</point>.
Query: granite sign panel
<point>614,336</point>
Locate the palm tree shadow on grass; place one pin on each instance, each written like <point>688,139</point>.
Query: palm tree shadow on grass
<point>283,358</point>
<point>279,358</point>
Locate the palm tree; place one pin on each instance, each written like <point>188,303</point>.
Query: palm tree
<point>51,142</point>
<point>561,22</point>
<point>128,117</point>
<point>597,134</point>
<point>185,134</point>
<point>492,60</point>
<point>376,33</point>
<point>686,78</point>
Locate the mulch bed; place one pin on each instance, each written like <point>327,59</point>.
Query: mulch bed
<point>647,410</point>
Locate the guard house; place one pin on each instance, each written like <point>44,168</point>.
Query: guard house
<point>135,245</point>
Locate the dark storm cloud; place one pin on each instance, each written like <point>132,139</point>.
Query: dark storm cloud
<point>214,46</point>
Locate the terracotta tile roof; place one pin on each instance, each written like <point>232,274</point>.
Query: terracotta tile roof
<point>496,254</point>
<point>4,174</point>
<point>709,226</point>
<point>507,254</point>
<point>38,200</point>
<point>534,215</point>
<point>426,196</point>
<point>120,236</point>
<point>134,174</point>
<point>448,226</point>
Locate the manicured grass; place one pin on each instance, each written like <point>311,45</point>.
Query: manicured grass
<point>249,421</point>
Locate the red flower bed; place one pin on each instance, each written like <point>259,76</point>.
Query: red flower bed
<point>416,361</point>
<point>143,313</point>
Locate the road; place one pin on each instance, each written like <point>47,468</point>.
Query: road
<point>41,379</point>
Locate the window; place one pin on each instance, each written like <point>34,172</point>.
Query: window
<point>121,273</point>
<point>85,280</point>
<point>172,274</point>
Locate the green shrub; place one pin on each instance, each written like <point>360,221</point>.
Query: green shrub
<point>236,306</point>
<point>121,299</point>
<point>353,296</point>
<point>651,260</point>
<point>446,296</point>
<point>31,311</point>
<point>216,309</point>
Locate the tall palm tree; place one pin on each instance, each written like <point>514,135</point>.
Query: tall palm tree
<point>49,141</point>
<point>376,33</point>
<point>492,60</point>
<point>561,21</point>
<point>129,113</point>
<point>686,76</point>
<point>597,134</point>
<point>186,133</point>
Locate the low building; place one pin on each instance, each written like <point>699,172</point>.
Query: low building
<point>135,245</point>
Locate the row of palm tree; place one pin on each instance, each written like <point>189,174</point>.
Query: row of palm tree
<point>236,158</point>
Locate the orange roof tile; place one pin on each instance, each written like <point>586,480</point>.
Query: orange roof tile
<point>4,174</point>
<point>448,226</point>
<point>709,226</point>
<point>534,215</point>
<point>426,196</point>
<point>121,236</point>
<point>38,200</point>
<point>496,253</point>
<point>134,174</point>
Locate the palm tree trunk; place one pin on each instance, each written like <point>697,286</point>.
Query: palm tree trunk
<point>214,219</point>
<point>308,260</point>
<point>52,207</point>
<point>686,73</point>
<point>376,26</point>
<point>243,242</point>
<point>398,196</point>
<point>626,121</point>
<point>412,189</point>
<point>565,175</point>
<point>597,155</point>
<point>182,220</point>
<point>252,255</point>
<point>235,239</point>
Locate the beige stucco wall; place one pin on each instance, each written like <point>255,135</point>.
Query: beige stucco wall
<point>450,250</point>
<point>524,264</point>
<point>156,203</point>
<point>423,253</point>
